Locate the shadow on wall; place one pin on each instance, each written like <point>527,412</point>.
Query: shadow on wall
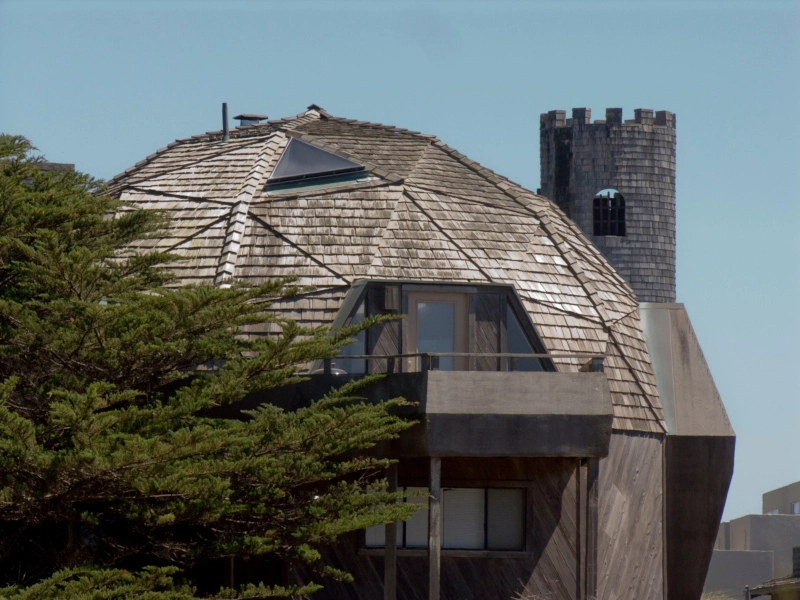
<point>540,571</point>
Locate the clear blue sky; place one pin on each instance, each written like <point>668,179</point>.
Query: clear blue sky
<point>103,84</point>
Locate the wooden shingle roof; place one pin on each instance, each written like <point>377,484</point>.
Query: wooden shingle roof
<point>426,212</point>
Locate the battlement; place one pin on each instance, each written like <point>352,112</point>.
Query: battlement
<point>579,159</point>
<point>583,117</point>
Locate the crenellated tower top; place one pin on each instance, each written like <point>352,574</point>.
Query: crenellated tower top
<point>616,179</point>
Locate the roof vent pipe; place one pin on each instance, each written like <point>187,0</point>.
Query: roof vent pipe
<point>225,133</point>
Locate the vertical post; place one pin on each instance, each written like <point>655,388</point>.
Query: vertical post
<point>579,468</point>
<point>390,554</point>
<point>435,528</point>
<point>225,134</point>
<point>592,495</point>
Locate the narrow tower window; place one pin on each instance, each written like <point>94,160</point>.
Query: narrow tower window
<point>608,212</point>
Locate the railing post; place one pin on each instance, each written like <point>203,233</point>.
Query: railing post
<point>434,528</point>
<point>390,365</point>
<point>434,363</point>
<point>390,552</point>
<point>425,360</point>
<point>326,366</point>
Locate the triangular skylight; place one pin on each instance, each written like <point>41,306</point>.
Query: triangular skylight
<point>301,161</point>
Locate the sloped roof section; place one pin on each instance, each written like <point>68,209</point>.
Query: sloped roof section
<point>425,212</point>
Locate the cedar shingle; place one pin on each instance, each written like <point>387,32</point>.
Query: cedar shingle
<point>427,213</point>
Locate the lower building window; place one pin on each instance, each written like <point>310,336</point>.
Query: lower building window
<point>472,519</point>
<point>796,508</point>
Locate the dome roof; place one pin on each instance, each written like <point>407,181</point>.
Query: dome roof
<point>419,210</point>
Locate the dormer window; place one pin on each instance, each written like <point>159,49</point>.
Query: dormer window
<point>447,328</point>
<point>303,163</point>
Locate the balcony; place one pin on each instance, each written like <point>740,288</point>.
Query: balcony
<point>478,413</point>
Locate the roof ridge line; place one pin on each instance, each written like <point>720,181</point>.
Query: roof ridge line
<point>179,196</point>
<point>432,190</point>
<point>506,185</point>
<point>298,246</point>
<point>563,311</point>
<point>623,317</point>
<point>546,218</point>
<point>608,269</point>
<point>237,219</point>
<point>558,241</point>
<point>613,340</point>
<point>445,234</point>
<point>196,233</point>
<point>373,125</point>
<point>488,174</point>
<point>355,187</point>
<point>149,159</point>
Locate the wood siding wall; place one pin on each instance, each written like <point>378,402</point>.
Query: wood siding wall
<point>487,311</point>
<point>631,540</point>
<point>548,567</point>
<point>384,338</point>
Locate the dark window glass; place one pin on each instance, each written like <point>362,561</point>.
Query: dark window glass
<point>301,161</point>
<point>518,344</point>
<point>472,519</point>
<point>436,330</point>
<point>608,213</point>
<point>357,348</point>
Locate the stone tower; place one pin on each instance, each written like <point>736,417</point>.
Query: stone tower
<point>616,180</point>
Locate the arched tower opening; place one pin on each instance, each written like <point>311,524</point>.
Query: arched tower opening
<point>608,213</point>
<point>616,180</point>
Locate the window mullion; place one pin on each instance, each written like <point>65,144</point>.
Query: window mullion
<point>485,518</point>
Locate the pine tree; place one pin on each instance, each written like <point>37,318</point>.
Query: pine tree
<point>116,478</point>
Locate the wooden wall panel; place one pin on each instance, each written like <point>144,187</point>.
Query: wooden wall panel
<point>486,338</point>
<point>631,540</point>
<point>698,473</point>
<point>385,337</point>
<point>547,568</point>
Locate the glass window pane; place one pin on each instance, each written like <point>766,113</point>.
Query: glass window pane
<point>436,330</point>
<point>463,518</point>
<point>359,347</point>
<point>506,527</point>
<point>417,525</point>
<point>518,344</point>
<point>375,536</point>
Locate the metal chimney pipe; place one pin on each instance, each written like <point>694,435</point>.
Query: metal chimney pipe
<point>225,133</point>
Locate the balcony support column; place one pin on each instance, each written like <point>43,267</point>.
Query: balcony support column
<point>435,528</point>
<point>390,555</point>
<point>592,525</point>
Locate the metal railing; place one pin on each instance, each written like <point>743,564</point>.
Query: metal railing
<point>430,361</point>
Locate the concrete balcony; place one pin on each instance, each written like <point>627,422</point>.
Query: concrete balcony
<point>481,413</point>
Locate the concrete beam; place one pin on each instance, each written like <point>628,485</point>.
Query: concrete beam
<point>482,414</point>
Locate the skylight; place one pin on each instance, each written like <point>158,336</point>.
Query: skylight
<point>301,161</point>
